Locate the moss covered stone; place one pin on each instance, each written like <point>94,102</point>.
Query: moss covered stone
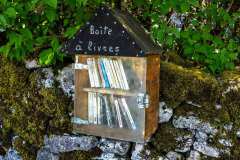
<point>179,84</point>
<point>30,111</point>
<point>80,155</point>
<point>164,140</point>
<point>231,102</point>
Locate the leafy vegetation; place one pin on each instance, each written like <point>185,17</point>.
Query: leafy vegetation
<point>37,27</point>
<point>204,31</point>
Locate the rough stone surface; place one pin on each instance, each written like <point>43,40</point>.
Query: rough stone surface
<point>165,113</point>
<point>206,150</point>
<point>228,127</point>
<point>139,153</point>
<point>45,154</point>
<point>225,142</point>
<point>190,122</point>
<point>31,64</point>
<point>47,79</point>
<point>201,137</point>
<point>193,123</point>
<point>194,155</point>
<point>173,156</point>
<point>58,144</point>
<point>114,146</point>
<point>184,143</point>
<point>207,128</point>
<point>107,156</point>
<point>66,80</point>
<point>12,155</point>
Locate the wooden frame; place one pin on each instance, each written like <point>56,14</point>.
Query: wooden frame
<point>147,67</point>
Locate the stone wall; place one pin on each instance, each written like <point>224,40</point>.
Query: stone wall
<point>199,116</point>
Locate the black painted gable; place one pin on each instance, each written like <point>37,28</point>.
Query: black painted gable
<point>111,32</point>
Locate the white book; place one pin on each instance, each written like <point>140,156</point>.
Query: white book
<point>95,108</point>
<point>90,72</point>
<point>113,111</point>
<point>99,106</point>
<point>119,118</point>
<point>126,86</point>
<point>114,74</point>
<point>96,74</point>
<point>101,73</point>
<point>108,113</point>
<point>90,108</point>
<point>126,108</point>
<point>108,72</point>
<point>119,74</point>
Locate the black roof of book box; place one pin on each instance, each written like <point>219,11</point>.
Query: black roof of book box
<point>111,32</point>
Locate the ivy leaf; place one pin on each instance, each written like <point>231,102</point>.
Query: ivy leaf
<point>51,3</point>
<point>10,12</point>
<point>46,57</point>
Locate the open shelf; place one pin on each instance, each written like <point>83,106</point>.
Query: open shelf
<point>110,91</point>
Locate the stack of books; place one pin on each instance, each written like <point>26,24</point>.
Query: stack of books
<point>110,110</point>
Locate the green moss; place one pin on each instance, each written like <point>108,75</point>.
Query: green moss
<point>164,140</point>
<point>179,84</point>
<point>231,102</point>
<point>206,114</point>
<point>28,110</point>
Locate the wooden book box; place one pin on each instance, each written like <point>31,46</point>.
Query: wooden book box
<point>117,70</point>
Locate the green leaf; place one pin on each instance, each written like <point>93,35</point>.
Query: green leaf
<point>51,3</point>
<point>81,2</point>
<point>3,21</point>
<point>46,57</point>
<point>230,66</point>
<point>55,44</point>
<point>41,40</point>
<point>71,31</point>
<point>51,14</point>
<point>139,3</point>
<point>26,33</point>
<point>10,12</point>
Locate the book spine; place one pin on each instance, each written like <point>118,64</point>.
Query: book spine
<point>119,118</point>
<point>114,74</point>
<point>126,108</point>
<point>113,111</point>
<point>95,108</point>
<point>101,74</point>
<point>99,106</point>
<point>109,73</point>
<point>90,72</point>
<point>124,113</point>
<point>96,74</point>
<point>126,86</point>
<point>119,75</point>
<point>104,73</point>
<point>108,114</point>
<point>90,108</point>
